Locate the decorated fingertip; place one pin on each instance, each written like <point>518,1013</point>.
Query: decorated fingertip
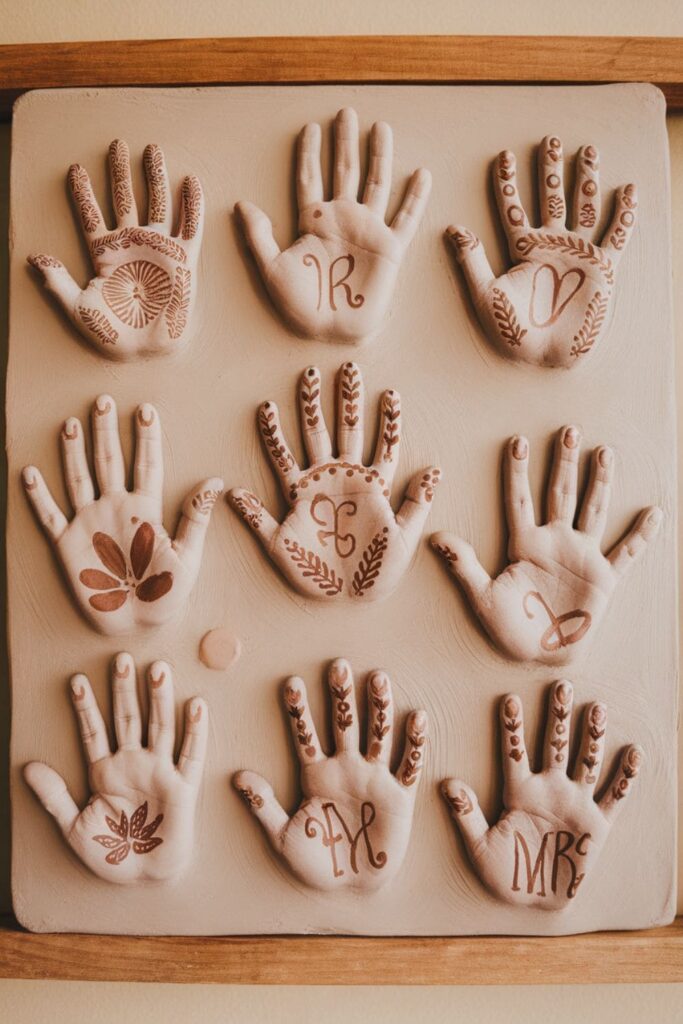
<point>146,415</point>
<point>199,505</point>
<point>441,543</point>
<point>42,262</point>
<point>462,239</point>
<point>591,157</point>
<point>653,520</point>
<point>196,709</point>
<point>29,477</point>
<point>552,147</point>
<point>103,405</point>
<point>457,797</point>
<point>247,506</point>
<point>78,685</point>
<point>519,448</point>
<point>244,782</point>
<point>605,457</point>
<point>157,674</point>
<point>71,429</point>
<point>431,479</point>
<point>122,665</point>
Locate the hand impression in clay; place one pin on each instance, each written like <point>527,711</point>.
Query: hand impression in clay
<point>353,826</point>
<point>337,280</point>
<point>140,302</point>
<point>554,305</point>
<point>124,569</point>
<point>551,831</point>
<point>546,605</point>
<point>340,537</point>
<point>138,825</point>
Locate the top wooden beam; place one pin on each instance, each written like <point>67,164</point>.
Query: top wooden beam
<point>300,59</point>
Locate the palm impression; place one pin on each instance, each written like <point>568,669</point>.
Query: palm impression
<point>548,602</point>
<point>352,828</point>
<point>341,538</point>
<point>551,831</point>
<point>141,299</point>
<point>554,305</point>
<point>124,569</point>
<point>138,825</point>
<point>337,280</point>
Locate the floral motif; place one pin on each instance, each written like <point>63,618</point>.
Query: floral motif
<point>126,834</point>
<point>137,292</point>
<point>114,589</point>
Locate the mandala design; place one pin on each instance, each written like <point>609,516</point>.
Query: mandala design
<point>137,292</point>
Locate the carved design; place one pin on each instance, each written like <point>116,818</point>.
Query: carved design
<point>203,501</point>
<point>43,262</point>
<point>192,206</point>
<point>254,800</point>
<point>156,178</point>
<point>330,836</point>
<point>512,724</point>
<point>312,567</point>
<point>82,193</point>
<point>120,175</point>
<point>592,324</point>
<point>554,638</point>
<point>97,323</point>
<point>556,207</point>
<point>113,590</point>
<point>126,835</point>
<point>429,482</point>
<point>310,393</point>
<point>339,677</point>
<point>178,308</point>
<point>369,567</point>
<point>137,292</point>
<point>464,240</point>
<point>391,411</point>
<point>587,216</point>
<point>579,248</point>
<point>126,238</point>
<point>296,710</point>
<point>552,292</point>
<point>413,764</point>
<point>506,318</point>
<point>268,423</point>
<point>461,803</point>
<point>344,543</point>
<point>381,702</point>
<point>351,469</point>
<point>350,390</point>
<point>249,507</point>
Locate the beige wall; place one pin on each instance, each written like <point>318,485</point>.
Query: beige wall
<point>44,21</point>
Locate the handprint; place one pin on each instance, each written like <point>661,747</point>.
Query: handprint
<point>124,569</point>
<point>551,831</point>
<point>337,280</point>
<point>340,537</point>
<point>555,303</point>
<point>141,299</point>
<point>546,605</point>
<point>138,825</point>
<point>353,827</point>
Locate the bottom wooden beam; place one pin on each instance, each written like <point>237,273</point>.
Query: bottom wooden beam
<point>603,957</point>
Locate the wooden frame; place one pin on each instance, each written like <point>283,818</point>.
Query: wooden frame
<point>626,957</point>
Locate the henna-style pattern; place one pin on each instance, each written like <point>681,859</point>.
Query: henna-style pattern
<point>113,590</point>
<point>560,710</point>
<point>629,769</point>
<point>137,292</point>
<point>310,393</point>
<point>249,507</point>
<point>391,411</point>
<point>369,567</point>
<point>429,481</point>
<point>381,702</point>
<point>596,730</point>
<point>126,238</point>
<point>544,276</point>
<point>556,207</point>
<point>508,325</point>
<point>461,802</point>
<point>41,261</point>
<point>135,835</point>
<point>296,710</point>
<point>588,333</point>
<point>578,247</point>
<point>339,676</point>
<point>464,239</point>
<point>618,236</point>
<point>203,501</point>
<point>587,215</point>
<point>512,724</point>
<point>250,797</point>
<point>121,186</point>
<point>416,738</point>
<point>350,468</point>
<point>282,458</point>
<point>178,308</point>
<point>154,166</point>
<point>312,567</point>
<point>192,206</point>
<point>97,323</point>
<point>350,391</point>
<point>80,188</point>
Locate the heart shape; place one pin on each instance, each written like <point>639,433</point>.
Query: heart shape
<point>551,292</point>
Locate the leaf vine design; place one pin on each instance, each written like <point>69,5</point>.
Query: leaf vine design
<point>126,238</point>
<point>99,325</point>
<point>506,317</point>
<point>178,307</point>
<point>126,835</point>
<point>295,710</point>
<point>281,456</point>
<point>314,568</point>
<point>592,324</point>
<point>370,564</point>
<point>580,248</point>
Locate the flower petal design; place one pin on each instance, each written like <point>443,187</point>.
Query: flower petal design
<point>141,549</point>
<point>137,820</point>
<point>119,854</point>
<point>95,579</point>
<point>148,831</point>
<point>110,601</point>
<point>110,554</point>
<point>147,846</point>
<point>119,828</point>
<point>154,587</point>
<point>107,841</point>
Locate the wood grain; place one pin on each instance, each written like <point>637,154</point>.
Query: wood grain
<point>446,59</point>
<point>599,958</point>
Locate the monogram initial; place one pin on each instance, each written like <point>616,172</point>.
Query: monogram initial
<point>335,280</point>
<point>331,837</point>
<point>326,513</point>
<point>554,636</point>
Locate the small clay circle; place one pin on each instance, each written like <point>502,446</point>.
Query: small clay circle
<point>508,190</point>
<point>554,143</point>
<point>516,215</point>
<point>627,218</point>
<point>552,181</point>
<point>589,188</point>
<point>219,649</point>
<point>317,213</point>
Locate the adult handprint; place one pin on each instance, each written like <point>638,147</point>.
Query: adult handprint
<point>138,825</point>
<point>353,827</point>
<point>124,569</point>
<point>340,537</point>
<point>546,605</point>
<point>555,303</point>
<point>337,280</point>
<point>551,831</point>
<point>141,299</point>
